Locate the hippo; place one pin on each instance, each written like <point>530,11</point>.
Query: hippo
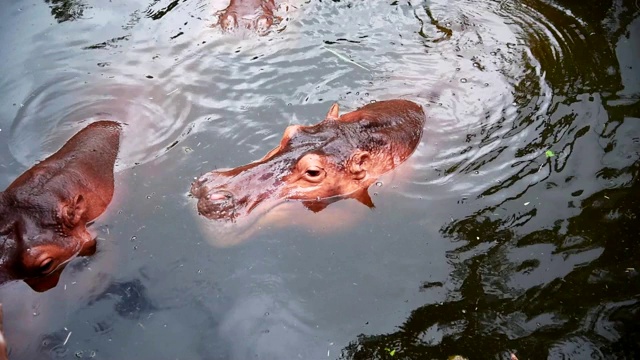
<point>250,14</point>
<point>3,343</point>
<point>338,158</point>
<point>45,211</point>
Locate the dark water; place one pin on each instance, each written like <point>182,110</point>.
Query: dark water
<point>514,229</point>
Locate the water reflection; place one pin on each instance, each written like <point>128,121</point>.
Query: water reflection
<point>67,10</point>
<point>518,293</point>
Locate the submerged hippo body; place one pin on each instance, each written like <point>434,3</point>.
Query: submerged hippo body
<point>44,212</point>
<point>250,14</point>
<point>337,158</point>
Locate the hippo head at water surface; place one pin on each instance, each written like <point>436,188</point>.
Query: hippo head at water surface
<point>44,212</point>
<point>336,158</point>
<point>249,14</point>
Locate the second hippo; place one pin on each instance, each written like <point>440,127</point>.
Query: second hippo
<point>337,158</point>
<point>44,212</point>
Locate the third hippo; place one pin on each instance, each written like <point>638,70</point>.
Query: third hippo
<point>340,157</point>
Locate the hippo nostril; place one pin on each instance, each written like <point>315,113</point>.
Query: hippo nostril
<point>220,195</point>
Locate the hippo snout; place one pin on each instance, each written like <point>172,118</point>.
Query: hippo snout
<point>215,204</point>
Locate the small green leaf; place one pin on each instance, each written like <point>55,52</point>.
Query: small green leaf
<point>393,352</point>
<point>549,153</point>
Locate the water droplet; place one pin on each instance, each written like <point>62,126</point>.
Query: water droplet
<point>148,196</point>
<point>475,64</point>
<point>463,80</point>
<point>493,53</point>
<point>379,183</point>
<point>476,172</point>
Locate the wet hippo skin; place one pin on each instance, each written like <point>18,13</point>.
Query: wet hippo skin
<point>44,212</point>
<point>250,14</point>
<point>337,158</point>
<point>3,344</point>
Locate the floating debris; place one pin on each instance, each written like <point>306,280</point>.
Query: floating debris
<point>344,57</point>
<point>549,153</point>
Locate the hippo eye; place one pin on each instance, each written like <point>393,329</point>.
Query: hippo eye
<point>45,266</point>
<point>314,174</point>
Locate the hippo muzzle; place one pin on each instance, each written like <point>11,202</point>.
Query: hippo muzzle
<point>215,204</point>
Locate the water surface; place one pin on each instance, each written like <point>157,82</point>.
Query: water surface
<point>513,230</point>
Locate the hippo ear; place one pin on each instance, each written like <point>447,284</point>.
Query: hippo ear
<point>73,212</point>
<point>359,163</point>
<point>334,113</point>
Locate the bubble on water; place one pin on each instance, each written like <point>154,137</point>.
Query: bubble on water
<point>133,238</point>
<point>379,183</point>
<point>475,64</point>
<point>486,84</point>
<point>375,194</point>
<point>463,80</point>
<point>493,53</point>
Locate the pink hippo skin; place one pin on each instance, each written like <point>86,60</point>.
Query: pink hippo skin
<point>44,212</point>
<point>250,14</point>
<point>337,158</point>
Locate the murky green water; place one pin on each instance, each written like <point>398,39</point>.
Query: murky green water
<point>514,230</point>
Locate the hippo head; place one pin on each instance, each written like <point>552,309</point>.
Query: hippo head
<point>248,14</point>
<point>40,234</point>
<point>44,212</point>
<point>336,158</point>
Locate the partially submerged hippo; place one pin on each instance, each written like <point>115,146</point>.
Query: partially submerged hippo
<point>250,14</point>
<point>318,164</point>
<point>44,212</point>
<point>3,343</point>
